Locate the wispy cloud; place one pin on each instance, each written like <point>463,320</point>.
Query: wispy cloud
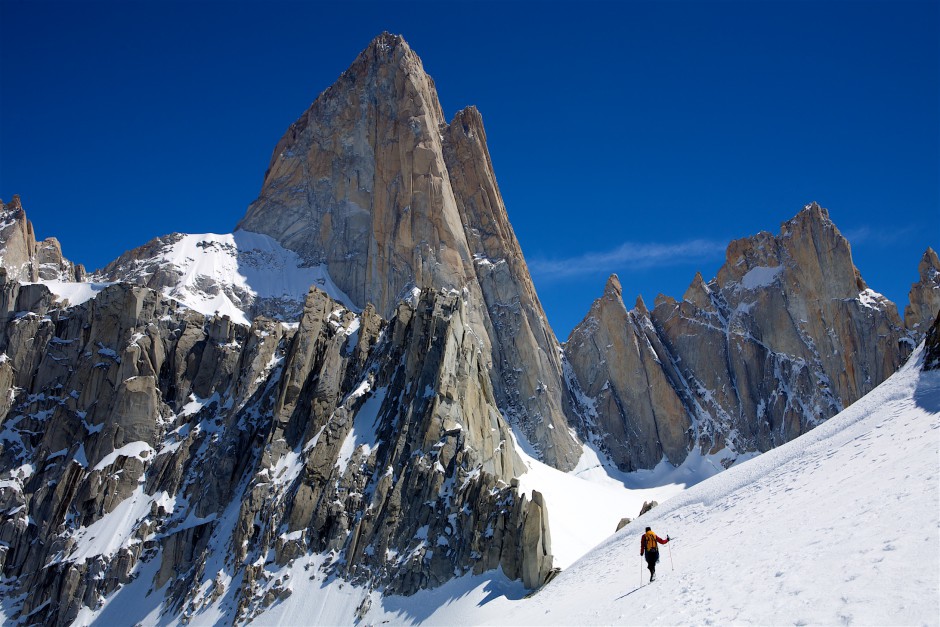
<point>869,236</point>
<point>627,256</point>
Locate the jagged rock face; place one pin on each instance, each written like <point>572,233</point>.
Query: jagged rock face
<point>786,336</point>
<point>205,456</point>
<point>24,258</point>
<point>924,297</point>
<point>372,182</point>
<point>932,346</point>
<point>359,183</point>
<point>145,265</point>
<point>636,413</point>
<point>800,295</point>
<point>90,432</point>
<point>526,355</point>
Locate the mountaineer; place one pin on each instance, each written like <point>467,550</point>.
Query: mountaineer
<point>648,545</point>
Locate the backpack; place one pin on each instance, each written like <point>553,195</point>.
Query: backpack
<point>650,539</point>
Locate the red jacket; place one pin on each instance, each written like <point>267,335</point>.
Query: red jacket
<point>643,541</point>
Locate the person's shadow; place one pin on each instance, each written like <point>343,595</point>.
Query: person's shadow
<point>629,593</point>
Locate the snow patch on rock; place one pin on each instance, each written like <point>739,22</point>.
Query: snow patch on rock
<point>760,276</point>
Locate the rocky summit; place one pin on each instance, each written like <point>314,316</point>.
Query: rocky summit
<point>920,314</point>
<point>787,335</point>
<point>349,387</point>
<point>373,183</point>
<point>25,259</point>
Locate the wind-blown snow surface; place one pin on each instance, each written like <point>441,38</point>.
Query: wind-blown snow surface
<point>840,526</point>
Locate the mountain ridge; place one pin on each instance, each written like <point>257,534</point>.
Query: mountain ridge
<point>378,428</point>
<point>754,355</point>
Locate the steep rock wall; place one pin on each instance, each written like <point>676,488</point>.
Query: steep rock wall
<point>203,455</point>
<point>924,297</point>
<point>24,258</point>
<point>372,182</point>
<point>785,336</point>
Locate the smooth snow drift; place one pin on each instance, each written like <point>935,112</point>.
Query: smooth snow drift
<point>74,293</point>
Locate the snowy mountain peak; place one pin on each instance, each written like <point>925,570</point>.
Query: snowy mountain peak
<point>811,212</point>
<point>386,41</point>
<point>469,121</point>
<point>698,292</point>
<point>743,363</point>
<point>240,274</point>
<point>15,204</point>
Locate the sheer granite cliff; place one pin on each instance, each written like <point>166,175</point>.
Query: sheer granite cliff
<point>373,182</point>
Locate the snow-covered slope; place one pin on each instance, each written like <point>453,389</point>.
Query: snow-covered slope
<point>839,526</point>
<point>238,274</point>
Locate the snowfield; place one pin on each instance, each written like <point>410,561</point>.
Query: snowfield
<point>838,527</point>
<point>225,273</point>
<point>74,293</point>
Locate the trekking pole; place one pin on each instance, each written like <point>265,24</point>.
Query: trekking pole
<point>641,571</point>
<point>671,565</point>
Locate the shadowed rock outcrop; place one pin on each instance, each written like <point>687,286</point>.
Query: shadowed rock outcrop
<point>924,297</point>
<point>932,346</point>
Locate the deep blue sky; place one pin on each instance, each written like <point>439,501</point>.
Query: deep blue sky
<point>628,137</point>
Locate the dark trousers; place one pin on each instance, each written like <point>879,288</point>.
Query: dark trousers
<point>651,558</point>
